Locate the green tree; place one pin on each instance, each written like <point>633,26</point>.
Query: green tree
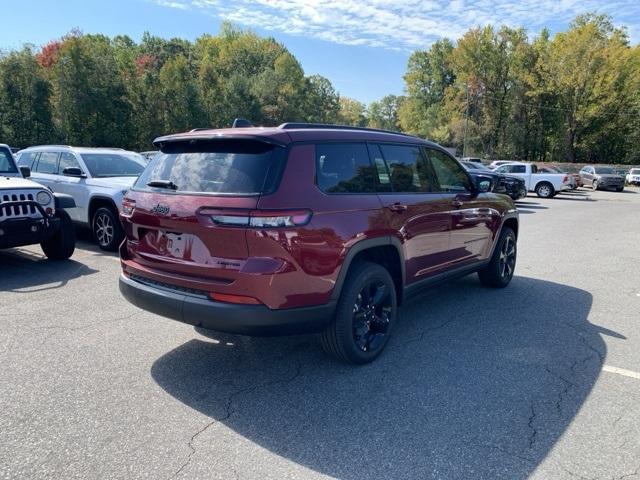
<point>352,112</point>
<point>384,114</point>
<point>25,108</point>
<point>323,102</point>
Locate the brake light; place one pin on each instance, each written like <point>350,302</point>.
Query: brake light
<point>128,206</point>
<point>566,179</point>
<point>259,218</point>
<point>240,299</point>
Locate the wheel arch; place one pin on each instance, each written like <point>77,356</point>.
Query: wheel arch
<point>385,251</point>
<point>99,201</point>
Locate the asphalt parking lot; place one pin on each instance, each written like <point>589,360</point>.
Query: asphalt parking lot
<point>539,380</point>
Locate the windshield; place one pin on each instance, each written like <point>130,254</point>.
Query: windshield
<point>114,164</point>
<point>605,170</point>
<point>7,165</point>
<point>635,171</point>
<point>216,167</point>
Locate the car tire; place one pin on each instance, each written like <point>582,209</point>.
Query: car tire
<point>500,270</point>
<point>619,189</point>
<point>545,190</point>
<point>61,245</point>
<point>365,315</point>
<point>107,229</point>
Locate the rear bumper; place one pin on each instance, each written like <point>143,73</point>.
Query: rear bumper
<point>199,311</point>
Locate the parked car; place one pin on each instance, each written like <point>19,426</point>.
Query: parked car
<point>306,228</point>
<point>601,178</point>
<point>31,214</point>
<point>545,185</point>
<point>148,155</point>
<point>472,160</point>
<point>96,178</point>
<point>574,178</point>
<point>512,186</point>
<point>633,177</point>
<point>496,163</point>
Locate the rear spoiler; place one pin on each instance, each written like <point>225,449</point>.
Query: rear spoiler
<point>191,138</point>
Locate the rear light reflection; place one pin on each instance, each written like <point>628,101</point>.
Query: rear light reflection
<point>261,218</point>
<point>240,299</point>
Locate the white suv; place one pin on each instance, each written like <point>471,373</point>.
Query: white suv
<point>96,178</point>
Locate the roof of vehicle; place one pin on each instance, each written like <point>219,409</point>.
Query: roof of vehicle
<point>76,149</point>
<point>295,132</point>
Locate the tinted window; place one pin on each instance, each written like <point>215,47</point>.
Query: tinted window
<point>408,169</point>
<point>113,164</point>
<point>226,167</point>
<point>345,168</point>
<point>517,169</point>
<point>47,162</point>
<point>604,170</point>
<point>26,159</point>
<point>6,162</point>
<point>450,174</point>
<point>67,160</point>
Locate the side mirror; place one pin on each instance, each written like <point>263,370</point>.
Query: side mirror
<point>25,171</point>
<point>483,183</point>
<point>73,172</point>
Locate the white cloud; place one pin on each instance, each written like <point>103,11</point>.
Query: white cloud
<point>403,24</point>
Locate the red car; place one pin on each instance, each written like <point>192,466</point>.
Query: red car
<point>307,228</point>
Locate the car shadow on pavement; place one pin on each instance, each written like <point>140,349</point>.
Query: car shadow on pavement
<point>24,271</point>
<point>475,383</point>
<point>529,207</point>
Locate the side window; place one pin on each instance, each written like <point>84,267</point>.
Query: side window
<point>518,169</point>
<point>408,169</point>
<point>450,174</point>
<point>47,162</point>
<point>345,168</point>
<point>502,169</point>
<point>26,159</point>
<point>67,160</point>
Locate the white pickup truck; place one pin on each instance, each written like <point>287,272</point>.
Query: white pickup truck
<point>546,185</point>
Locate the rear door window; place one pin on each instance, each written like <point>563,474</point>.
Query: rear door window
<point>345,168</point>
<point>224,167</point>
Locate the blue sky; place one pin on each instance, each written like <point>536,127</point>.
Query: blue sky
<point>362,46</point>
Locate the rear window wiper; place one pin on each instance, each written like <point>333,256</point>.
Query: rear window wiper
<point>163,184</point>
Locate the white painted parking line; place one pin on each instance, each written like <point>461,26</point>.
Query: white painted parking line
<point>621,371</point>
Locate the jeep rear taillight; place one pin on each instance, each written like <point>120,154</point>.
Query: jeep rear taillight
<point>259,218</point>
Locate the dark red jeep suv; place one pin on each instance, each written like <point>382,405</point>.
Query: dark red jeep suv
<point>307,228</point>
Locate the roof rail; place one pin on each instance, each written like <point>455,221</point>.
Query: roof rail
<point>329,126</point>
<point>199,129</point>
<point>56,146</point>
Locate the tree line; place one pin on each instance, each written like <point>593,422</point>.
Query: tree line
<point>494,93</point>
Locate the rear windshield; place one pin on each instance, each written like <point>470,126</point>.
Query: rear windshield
<point>114,164</point>
<point>215,167</point>
<point>6,162</point>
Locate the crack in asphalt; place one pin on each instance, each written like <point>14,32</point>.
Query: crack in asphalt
<point>534,431</point>
<point>229,411</point>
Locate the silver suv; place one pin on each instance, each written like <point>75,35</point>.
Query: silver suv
<point>96,178</point>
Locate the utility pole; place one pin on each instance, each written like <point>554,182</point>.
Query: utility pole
<point>466,121</point>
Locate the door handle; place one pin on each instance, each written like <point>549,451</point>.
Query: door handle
<point>457,203</point>
<point>397,207</point>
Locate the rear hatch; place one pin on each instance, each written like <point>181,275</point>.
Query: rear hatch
<point>188,213</point>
